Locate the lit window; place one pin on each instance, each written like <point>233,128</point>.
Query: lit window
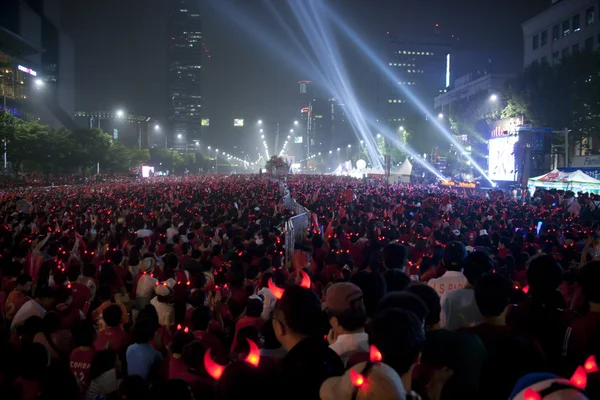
<point>389,101</point>
<point>576,24</point>
<point>566,27</point>
<point>390,64</point>
<point>590,16</point>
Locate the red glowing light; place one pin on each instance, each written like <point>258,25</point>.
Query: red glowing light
<point>579,378</point>
<point>276,290</point>
<point>212,368</point>
<point>525,289</point>
<point>374,354</point>
<point>531,394</point>
<point>590,365</point>
<point>356,378</point>
<point>253,357</point>
<point>306,283</point>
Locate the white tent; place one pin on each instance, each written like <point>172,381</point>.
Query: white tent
<point>404,171</point>
<point>576,181</point>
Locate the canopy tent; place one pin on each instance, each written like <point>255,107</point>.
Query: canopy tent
<point>576,181</point>
<point>404,171</point>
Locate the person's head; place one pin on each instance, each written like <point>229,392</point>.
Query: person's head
<point>431,300</point>
<point>144,330</point>
<point>133,387</point>
<point>193,354</point>
<point>543,276</point>
<point>492,295</point>
<point>254,307</point>
<point>345,308</point>
<point>380,382</point>
<point>37,361</point>
<point>73,273</point>
<point>171,389</point>
<point>394,256</point>
<point>454,256</point>
<point>51,322</point>
<point>547,386</point>
<point>477,264</point>
<point>24,282</point>
<point>59,383</point>
<point>112,315</point>
<point>84,334</point>
<point>201,317</point>
<point>63,296</point>
<point>373,288</point>
<point>589,280</point>
<point>297,315</point>
<point>399,336</point>
<point>102,362</point>
<point>405,301</point>
<point>180,339</point>
<point>243,335</point>
<point>241,379</point>
<point>45,297</point>
<point>395,280</point>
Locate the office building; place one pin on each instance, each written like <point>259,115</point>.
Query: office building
<point>421,66</point>
<point>37,78</point>
<point>184,71</point>
<point>567,26</point>
<point>127,129</point>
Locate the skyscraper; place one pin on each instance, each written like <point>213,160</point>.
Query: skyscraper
<point>184,71</point>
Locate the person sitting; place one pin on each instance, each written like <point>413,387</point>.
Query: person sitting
<point>309,360</point>
<point>347,316</point>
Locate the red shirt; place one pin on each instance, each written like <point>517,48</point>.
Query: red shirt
<point>29,389</point>
<point>14,302</point>
<point>81,294</point>
<point>211,342</point>
<point>177,367</point>
<point>243,322</point>
<point>79,364</point>
<point>113,338</point>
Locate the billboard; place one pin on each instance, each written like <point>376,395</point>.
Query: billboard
<point>238,122</point>
<point>205,122</point>
<point>297,139</point>
<point>501,160</point>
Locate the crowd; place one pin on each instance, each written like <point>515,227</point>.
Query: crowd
<point>179,288</point>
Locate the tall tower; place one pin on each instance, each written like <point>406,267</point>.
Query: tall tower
<point>184,71</point>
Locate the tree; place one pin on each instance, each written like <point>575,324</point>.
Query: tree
<point>276,164</point>
<point>90,146</point>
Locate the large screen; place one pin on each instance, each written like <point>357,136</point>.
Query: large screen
<point>501,159</point>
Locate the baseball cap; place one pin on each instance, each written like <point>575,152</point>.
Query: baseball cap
<point>162,290</point>
<point>381,383</point>
<point>341,295</point>
<point>454,253</point>
<point>483,232</point>
<point>456,232</point>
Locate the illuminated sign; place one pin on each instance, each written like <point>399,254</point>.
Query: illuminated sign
<point>238,122</point>
<point>466,185</point>
<point>297,139</point>
<point>501,158</point>
<point>27,70</point>
<point>448,70</point>
<point>206,122</point>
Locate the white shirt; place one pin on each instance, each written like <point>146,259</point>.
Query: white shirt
<point>165,311</point>
<point>451,280</point>
<point>145,286</point>
<point>171,232</point>
<point>30,309</point>
<point>268,303</point>
<point>346,345</point>
<point>460,309</point>
<point>144,233</point>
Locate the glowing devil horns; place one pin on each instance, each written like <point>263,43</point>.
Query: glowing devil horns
<point>215,370</point>
<point>278,292</point>
<point>578,380</point>
<point>358,379</point>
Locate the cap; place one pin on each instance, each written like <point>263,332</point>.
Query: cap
<point>454,254</point>
<point>340,296</point>
<point>162,290</point>
<point>381,383</point>
<point>456,232</point>
<point>483,232</point>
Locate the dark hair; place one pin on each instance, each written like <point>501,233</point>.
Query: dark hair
<point>193,354</point>
<point>37,361</point>
<point>269,336</point>
<point>83,333</point>
<point>477,264</point>
<point>431,300</point>
<point>23,279</point>
<point>399,336</point>
<point>144,330</point>
<point>180,339</point>
<point>543,276</point>
<point>241,378</point>
<point>201,317</point>
<point>133,387</point>
<point>171,389</point>
<point>394,256</point>
<point>405,301</point>
<point>589,280</point>
<point>247,332</point>
<point>301,309</point>
<point>254,307</point>
<point>395,280</point>
<point>352,318</point>
<point>59,383</point>
<point>51,322</point>
<point>492,294</point>
<point>73,272</point>
<point>45,292</point>
<point>112,315</point>
<point>62,294</point>
<point>103,361</point>
<point>373,288</point>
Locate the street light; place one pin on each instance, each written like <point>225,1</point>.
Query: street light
<point>120,113</point>
<point>262,136</point>
<point>338,149</point>
<point>295,122</point>
<point>261,131</point>
<point>362,142</point>
<point>330,151</point>
<point>440,115</point>
<point>260,121</point>
<point>179,136</point>
<point>349,145</point>
<point>39,82</point>
<point>401,128</point>
<point>208,147</point>
<point>291,131</point>
<point>378,135</point>
<point>289,136</point>
<point>494,97</point>
<point>156,127</point>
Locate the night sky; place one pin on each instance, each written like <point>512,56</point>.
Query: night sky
<point>121,50</point>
